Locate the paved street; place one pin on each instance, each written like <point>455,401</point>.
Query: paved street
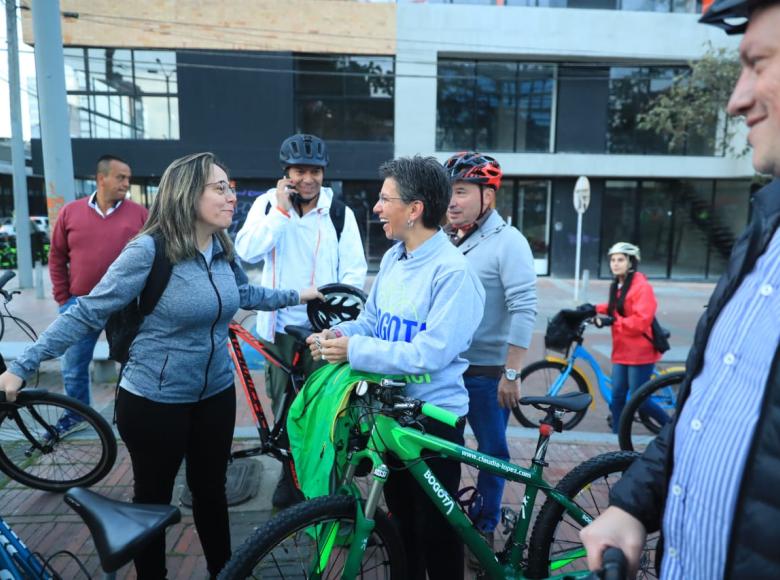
<point>48,525</point>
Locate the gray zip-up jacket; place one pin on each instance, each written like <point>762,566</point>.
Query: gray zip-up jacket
<point>502,259</point>
<point>180,354</point>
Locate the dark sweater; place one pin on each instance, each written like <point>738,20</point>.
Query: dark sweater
<point>83,245</point>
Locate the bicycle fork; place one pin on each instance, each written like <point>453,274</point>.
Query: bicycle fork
<point>360,532</point>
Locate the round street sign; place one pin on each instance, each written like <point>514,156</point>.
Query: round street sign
<point>582,194</point>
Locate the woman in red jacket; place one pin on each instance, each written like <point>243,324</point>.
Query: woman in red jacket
<point>631,309</point>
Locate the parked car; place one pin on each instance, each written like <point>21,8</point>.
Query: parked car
<point>39,238</point>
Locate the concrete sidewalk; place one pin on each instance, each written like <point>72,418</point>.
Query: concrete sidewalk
<point>44,522</point>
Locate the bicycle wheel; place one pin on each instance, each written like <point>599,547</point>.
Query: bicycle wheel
<point>287,546</point>
<point>32,453</point>
<point>555,532</point>
<point>663,391</point>
<point>537,379</point>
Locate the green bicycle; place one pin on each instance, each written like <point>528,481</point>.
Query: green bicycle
<point>348,535</point>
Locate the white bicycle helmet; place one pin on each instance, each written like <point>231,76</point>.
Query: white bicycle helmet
<point>625,248</point>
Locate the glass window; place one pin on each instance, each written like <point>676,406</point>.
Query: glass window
<point>535,88</point>
<point>692,229</point>
<point>159,118</point>
<point>631,92</point>
<point>646,5</point>
<point>75,69</point>
<point>618,218</point>
<point>489,105</point>
<point>107,93</point>
<point>155,72</point>
<point>495,105</point>
<point>110,70</point>
<point>345,97</point>
<point>729,217</point>
<point>655,226</point>
<point>533,203</point>
<point>455,118</point>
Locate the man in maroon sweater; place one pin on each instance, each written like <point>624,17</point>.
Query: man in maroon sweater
<point>88,236</point>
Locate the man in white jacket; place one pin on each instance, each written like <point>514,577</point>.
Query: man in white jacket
<point>304,238</point>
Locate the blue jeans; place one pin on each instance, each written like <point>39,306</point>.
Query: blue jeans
<point>626,379</point>
<point>75,363</point>
<point>488,421</point>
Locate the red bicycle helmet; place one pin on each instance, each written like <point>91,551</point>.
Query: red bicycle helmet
<point>475,168</point>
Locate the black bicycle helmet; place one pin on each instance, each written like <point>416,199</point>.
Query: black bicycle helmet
<point>342,303</point>
<point>301,149</point>
<point>733,15</point>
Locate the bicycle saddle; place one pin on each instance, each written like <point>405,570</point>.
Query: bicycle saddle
<point>299,333</point>
<point>119,529</point>
<point>570,401</point>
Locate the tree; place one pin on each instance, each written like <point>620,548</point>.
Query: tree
<point>694,106</point>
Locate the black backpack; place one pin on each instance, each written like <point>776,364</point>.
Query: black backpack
<point>338,211</point>
<point>123,325</point>
<point>659,336</point>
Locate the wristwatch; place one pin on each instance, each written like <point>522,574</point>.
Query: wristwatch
<point>512,374</point>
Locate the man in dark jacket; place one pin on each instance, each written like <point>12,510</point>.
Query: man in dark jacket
<point>710,480</point>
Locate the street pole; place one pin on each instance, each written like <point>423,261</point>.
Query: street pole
<point>21,211</point>
<point>581,202</point>
<point>53,106</point>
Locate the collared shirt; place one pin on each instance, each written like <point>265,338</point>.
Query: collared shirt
<point>94,205</point>
<point>715,429</point>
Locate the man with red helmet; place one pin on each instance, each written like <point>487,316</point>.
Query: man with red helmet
<point>501,257</point>
<point>709,480</point>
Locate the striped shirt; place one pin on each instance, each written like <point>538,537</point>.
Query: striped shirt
<point>716,426</point>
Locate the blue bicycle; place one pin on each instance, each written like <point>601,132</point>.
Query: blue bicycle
<point>558,375</point>
<point>119,530</point>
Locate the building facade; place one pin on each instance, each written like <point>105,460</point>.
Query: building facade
<point>551,88</point>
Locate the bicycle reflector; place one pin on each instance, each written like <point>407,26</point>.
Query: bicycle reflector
<point>342,303</point>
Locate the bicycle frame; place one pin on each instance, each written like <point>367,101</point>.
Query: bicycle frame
<point>16,558</point>
<point>580,352</point>
<point>387,435</point>
<point>273,440</point>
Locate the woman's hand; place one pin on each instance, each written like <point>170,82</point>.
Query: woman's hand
<point>10,385</point>
<point>315,342</point>
<point>309,294</point>
<point>335,349</point>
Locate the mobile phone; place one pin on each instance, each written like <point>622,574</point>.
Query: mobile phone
<point>295,197</point>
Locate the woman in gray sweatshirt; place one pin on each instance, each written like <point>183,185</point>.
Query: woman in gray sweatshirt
<point>176,399</point>
<point>421,313</point>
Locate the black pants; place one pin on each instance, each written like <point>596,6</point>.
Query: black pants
<point>431,545</point>
<point>158,436</point>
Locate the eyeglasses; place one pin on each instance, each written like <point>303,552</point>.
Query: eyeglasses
<point>383,199</point>
<point>223,187</point>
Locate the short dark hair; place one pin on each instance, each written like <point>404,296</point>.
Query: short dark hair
<point>421,179</point>
<point>104,163</point>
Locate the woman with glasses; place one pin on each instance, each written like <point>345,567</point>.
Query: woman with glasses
<point>176,399</point>
<point>422,311</point>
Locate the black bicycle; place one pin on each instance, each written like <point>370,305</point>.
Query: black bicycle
<point>32,450</point>
<point>342,303</point>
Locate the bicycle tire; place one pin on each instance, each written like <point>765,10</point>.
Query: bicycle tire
<point>588,485</point>
<point>293,523</point>
<point>631,415</point>
<point>539,384</point>
<point>80,459</point>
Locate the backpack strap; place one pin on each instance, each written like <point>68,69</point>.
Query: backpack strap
<point>158,278</point>
<point>338,212</point>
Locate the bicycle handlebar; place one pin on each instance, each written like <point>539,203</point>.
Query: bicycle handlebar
<point>442,415</point>
<point>387,392</point>
<point>613,564</point>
